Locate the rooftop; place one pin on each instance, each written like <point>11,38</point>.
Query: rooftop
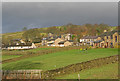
<point>89,37</point>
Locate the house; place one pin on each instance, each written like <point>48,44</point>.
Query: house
<point>44,41</point>
<point>47,41</point>
<point>105,40</point>
<point>50,42</point>
<point>17,41</point>
<point>68,36</point>
<point>68,43</point>
<point>108,39</point>
<point>88,40</point>
<point>65,43</point>
<point>20,46</point>
<point>57,40</point>
<point>50,34</point>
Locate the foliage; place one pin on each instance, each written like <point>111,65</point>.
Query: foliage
<point>24,29</point>
<point>32,35</point>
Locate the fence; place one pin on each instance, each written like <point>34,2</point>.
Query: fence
<point>21,74</point>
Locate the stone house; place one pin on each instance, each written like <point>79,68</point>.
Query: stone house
<point>56,43</point>
<point>65,43</point>
<point>17,41</point>
<point>68,43</point>
<point>88,40</point>
<point>20,46</point>
<point>105,40</point>
<point>62,40</point>
<point>108,39</point>
<point>59,42</point>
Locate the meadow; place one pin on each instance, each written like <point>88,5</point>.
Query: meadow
<point>5,57</point>
<point>109,71</point>
<point>59,59</point>
<point>6,54</point>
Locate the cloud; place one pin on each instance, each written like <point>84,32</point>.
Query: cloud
<point>46,14</point>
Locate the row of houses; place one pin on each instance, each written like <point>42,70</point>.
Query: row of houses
<point>105,40</point>
<point>51,40</point>
<point>58,41</point>
<point>18,44</point>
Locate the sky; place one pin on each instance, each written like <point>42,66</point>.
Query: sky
<point>16,15</point>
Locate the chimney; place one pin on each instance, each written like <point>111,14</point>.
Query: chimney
<point>96,34</point>
<point>105,30</point>
<point>83,35</point>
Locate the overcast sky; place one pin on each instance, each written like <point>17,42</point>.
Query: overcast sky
<point>16,15</point>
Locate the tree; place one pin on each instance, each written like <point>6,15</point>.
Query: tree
<point>24,29</point>
<point>32,35</point>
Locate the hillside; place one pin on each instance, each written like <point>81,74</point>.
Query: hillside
<point>38,33</point>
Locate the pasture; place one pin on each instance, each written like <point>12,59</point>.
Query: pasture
<point>59,59</point>
<point>109,71</point>
<point>5,57</point>
<point>6,54</point>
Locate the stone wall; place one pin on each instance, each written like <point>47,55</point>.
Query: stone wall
<point>79,66</point>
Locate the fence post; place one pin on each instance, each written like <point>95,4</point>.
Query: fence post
<point>79,77</point>
<point>40,74</point>
<point>31,75</point>
<point>24,75</point>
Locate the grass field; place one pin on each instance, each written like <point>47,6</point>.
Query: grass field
<point>7,54</point>
<point>21,52</point>
<point>59,59</point>
<point>109,71</point>
<point>5,57</point>
<point>39,49</point>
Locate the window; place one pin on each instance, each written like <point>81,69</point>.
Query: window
<point>115,38</point>
<point>111,37</point>
<point>107,37</point>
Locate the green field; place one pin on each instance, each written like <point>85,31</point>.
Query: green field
<point>7,54</point>
<point>5,57</point>
<point>59,59</point>
<point>109,71</point>
<point>39,49</point>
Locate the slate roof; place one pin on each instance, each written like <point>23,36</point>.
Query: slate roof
<point>70,40</point>
<point>59,36</point>
<point>21,44</point>
<point>51,39</point>
<point>62,42</point>
<point>15,39</point>
<point>98,41</point>
<point>89,37</point>
<point>109,33</point>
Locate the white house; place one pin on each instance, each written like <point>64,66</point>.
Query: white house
<point>21,46</point>
<point>88,40</point>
